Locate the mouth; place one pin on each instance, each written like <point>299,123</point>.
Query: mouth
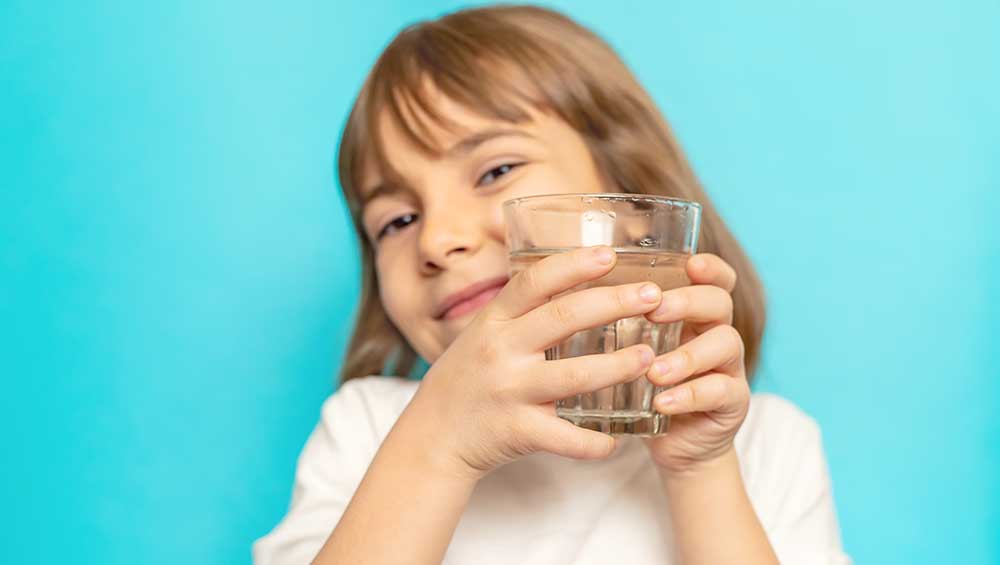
<point>472,298</point>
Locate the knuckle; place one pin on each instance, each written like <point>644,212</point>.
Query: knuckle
<point>562,313</point>
<point>519,443</point>
<point>707,392</point>
<point>530,281</point>
<point>519,433</point>
<point>579,445</point>
<point>490,312</point>
<point>587,446</point>
<point>609,445</point>
<point>726,299</point>
<point>625,297</point>
<point>733,337</point>
<point>677,300</point>
<point>693,394</point>
<point>600,447</point>
<point>503,391</point>
<point>718,386</point>
<point>743,390</point>
<point>576,377</point>
<point>685,358</point>
<point>583,259</point>
<point>490,350</point>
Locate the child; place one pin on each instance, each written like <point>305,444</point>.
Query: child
<point>471,465</point>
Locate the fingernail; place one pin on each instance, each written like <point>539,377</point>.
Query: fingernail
<point>646,356</point>
<point>604,255</point>
<point>660,369</point>
<point>697,263</point>
<point>668,365</point>
<point>663,401</point>
<point>649,292</point>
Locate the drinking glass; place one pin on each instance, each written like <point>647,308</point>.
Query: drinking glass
<point>653,237</point>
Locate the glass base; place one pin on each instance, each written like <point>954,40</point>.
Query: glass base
<point>621,423</point>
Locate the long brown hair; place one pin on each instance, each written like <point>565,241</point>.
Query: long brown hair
<point>496,60</point>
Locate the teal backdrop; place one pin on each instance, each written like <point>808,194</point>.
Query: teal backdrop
<point>178,275</point>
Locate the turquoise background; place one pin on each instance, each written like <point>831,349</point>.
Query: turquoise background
<point>178,277</point>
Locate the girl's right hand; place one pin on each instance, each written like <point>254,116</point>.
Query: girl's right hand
<point>490,396</point>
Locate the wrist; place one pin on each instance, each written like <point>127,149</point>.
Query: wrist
<point>721,465</point>
<point>431,443</point>
<point>708,502</point>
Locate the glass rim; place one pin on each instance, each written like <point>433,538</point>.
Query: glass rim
<point>615,196</point>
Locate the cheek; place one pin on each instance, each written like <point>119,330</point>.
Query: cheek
<point>392,291</point>
<point>581,178</point>
<point>495,223</point>
<point>556,179</point>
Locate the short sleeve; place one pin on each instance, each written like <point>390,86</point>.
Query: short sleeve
<point>353,422</point>
<point>790,486</point>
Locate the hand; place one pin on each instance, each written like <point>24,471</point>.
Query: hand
<point>712,395</point>
<point>490,397</point>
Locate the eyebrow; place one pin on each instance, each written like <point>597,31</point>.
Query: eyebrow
<point>463,147</point>
<point>466,145</point>
<point>381,189</point>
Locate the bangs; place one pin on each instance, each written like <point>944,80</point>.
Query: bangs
<point>483,76</point>
<point>500,64</point>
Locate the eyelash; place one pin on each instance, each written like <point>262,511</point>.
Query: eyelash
<point>508,167</point>
<point>392,222</point>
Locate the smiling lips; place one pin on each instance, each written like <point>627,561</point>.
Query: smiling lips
<point>471,298</point>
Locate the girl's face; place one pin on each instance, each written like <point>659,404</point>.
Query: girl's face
<point>441,230</point>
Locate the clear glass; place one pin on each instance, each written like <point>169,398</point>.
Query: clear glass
<point>653,236</point>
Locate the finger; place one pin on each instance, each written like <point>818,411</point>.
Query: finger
<point>555,321</point>
<point>576,375</point>
<point>564,438</point>
<point>719,349</point>
<point>532,286</point>
<point>699,304</point>
<point>708,268</point>
<point>714,392</point>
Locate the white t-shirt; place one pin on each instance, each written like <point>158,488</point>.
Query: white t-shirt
<point>546,509</point>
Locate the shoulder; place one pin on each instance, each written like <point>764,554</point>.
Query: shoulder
<point>771,414</point>
<point>354,421</point>
<point>786,476</point>
<point>372,402</point>
<point>775,430</point>
<point>375,392</point>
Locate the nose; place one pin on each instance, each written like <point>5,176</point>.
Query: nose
<point>446,235</point>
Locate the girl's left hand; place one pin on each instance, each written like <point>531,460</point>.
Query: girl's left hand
<point>709,405</point>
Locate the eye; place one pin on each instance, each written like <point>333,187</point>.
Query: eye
<point>497,172</point>
<point>396,223</point>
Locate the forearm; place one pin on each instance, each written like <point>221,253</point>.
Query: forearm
<point>713,519</point>
<point>407,506</point>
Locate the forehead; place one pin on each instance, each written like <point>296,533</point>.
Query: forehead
<point>432,123</point>
<point>412,132</point>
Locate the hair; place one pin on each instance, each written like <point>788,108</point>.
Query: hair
<point>497,60</point>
